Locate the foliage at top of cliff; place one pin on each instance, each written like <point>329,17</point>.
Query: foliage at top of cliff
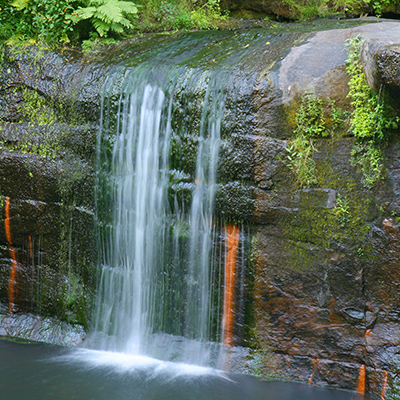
<point>74,20</point>
<point>54,21</point>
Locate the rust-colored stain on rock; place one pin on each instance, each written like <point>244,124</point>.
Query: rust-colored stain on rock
<point>232,242</point>
<point>385,379</point>
<point>315,363</point>
<point>361,380</point>
<point>13,270</point>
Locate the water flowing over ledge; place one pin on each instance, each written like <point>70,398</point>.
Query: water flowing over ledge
<point>157,228</point>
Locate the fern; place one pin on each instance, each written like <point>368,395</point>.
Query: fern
<point>127,7</point>
<point>20,4</point>
<point>110,12</point>
<point>85,13</point>
<point>107,15</point>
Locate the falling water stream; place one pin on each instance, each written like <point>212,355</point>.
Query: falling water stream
<point>156,272</point>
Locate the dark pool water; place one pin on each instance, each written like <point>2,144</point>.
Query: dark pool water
<point>40,372</point>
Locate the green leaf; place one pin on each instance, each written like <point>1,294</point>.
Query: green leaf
<point>117,28</point>
<point>101,27</point>
<point>125,22</point>
<point>20,4</point>
<point>110,11</point>
<point>85,13</point>
<point>127,7</point>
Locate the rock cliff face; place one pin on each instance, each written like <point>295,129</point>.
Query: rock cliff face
<point>49,109</point>
<point>327,294</point>
<point>323,290</point>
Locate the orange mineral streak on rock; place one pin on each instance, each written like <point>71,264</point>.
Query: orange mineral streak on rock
<point>390,227</point>
<point>385,379</point>
<point>232,242</point>
<point>361,380</point>
<point>315,363</point>
<point>30,247</point>
<point>13,270</point>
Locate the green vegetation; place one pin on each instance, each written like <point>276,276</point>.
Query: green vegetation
<point>318,229</point>
<point>371,122</point>
<point>35,109</point>
<point>107,15</point>
<point>175,14</point>
<point>308,9</point>
<point>36,19</point>
<point>314,118</point>
<point>372,119</point>
<point>342,211</point>
<point>394,393</point>
<point>64,21</point>
<point>53,21</point>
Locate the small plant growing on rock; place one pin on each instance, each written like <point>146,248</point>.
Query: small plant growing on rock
<point>300,160</point>
<point>371,121</point>
<point>315,118</point>
<point>342,211</point>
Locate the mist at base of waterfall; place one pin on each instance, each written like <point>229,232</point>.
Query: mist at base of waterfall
<point>170,348</point>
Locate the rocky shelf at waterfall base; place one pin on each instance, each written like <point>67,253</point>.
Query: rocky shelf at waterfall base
<point>321,288</point>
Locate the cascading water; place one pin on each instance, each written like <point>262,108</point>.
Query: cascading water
<point>158,285</point>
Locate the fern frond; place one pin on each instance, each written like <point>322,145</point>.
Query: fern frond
<point>101,27</point>
<point>127,7</point>
<point>118,28</point>
<point>110,12</point>
<point>125,22</point>
<point>102,17</point>
<point>85,13</point>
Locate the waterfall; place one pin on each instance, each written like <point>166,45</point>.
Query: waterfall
<point>158,290</point>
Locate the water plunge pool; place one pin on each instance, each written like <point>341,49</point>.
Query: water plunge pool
<point>38,371</point>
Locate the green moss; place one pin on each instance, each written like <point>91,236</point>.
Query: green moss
<point>75,301</point>
<point>310,118</point>
<point>322,225</point>
<point>35,108</point>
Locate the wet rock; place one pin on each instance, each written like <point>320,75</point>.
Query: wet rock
<point>316,66</point>
<point>380,56</point>
<point>326,290</point>
<point>35,328</point>
<point>388,68</point>
<point>46,179</point>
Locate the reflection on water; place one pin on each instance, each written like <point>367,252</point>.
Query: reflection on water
<point>44,372</point>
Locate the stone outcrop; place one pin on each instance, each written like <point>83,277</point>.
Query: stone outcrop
<point>49,110</point>
<point>327,298</point>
